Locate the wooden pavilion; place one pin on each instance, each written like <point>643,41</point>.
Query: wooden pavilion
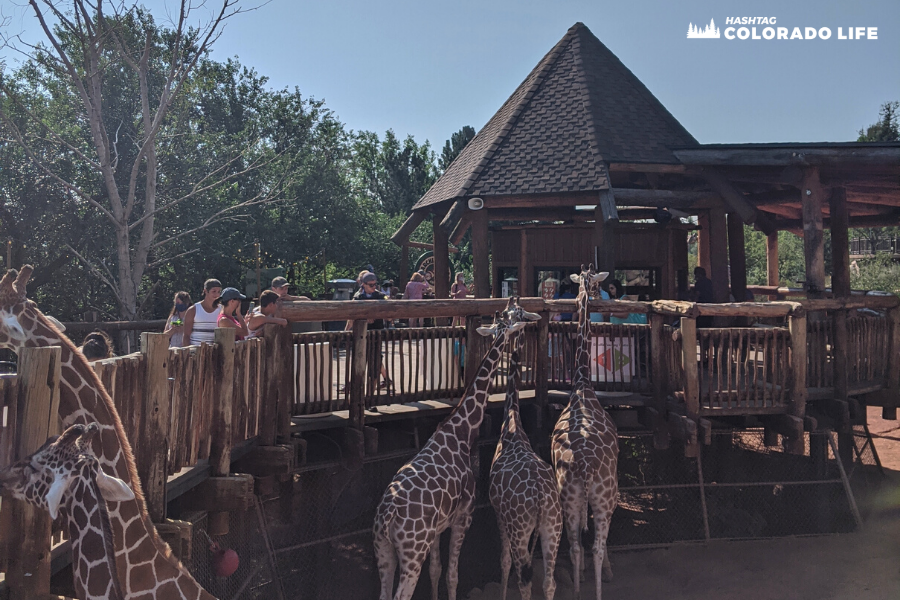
<point>582,159</point>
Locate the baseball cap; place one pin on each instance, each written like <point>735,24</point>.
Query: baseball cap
<point>231,293</point>
<point>368,277</point>
<point>279,282</point>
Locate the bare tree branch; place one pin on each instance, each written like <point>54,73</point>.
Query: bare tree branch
<point>169,259</point>
<point>99,275</point>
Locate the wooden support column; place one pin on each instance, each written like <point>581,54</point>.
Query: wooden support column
<point>812,196</point>
<point>481,253</point>
<point>840,243</point>
<point>799,392</point>
<point>718,254</point>
<point>441,259</point>
<point>890,410</point>
<point>358,375</point>
<point>404,267</point>
<point>542,361</point>
<point>473,347</point>
<point>223,409</point>
<point>28,534</point>
<point>604,242</point>
<point>154,439</point>
<point>772,275</point>
<point>525,285</point>
<point>737,257</point>
<point>703,242</point>
<point>274,410</point>
<point>659,375</point>
<point>691,378</point>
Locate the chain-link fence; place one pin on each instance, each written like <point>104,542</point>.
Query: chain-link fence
<point>739,488</point>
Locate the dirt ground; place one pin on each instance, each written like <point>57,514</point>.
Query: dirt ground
<point>864,565</point>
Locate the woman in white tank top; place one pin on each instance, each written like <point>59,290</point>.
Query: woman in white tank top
<point>200,319</point>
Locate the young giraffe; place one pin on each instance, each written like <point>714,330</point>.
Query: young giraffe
<point>585,448</point>
<point>146,566</point>
<point>524,495</point>
<point>65,474</point>
<point>436,489</point>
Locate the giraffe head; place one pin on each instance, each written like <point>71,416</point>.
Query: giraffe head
<point>510,320</point>
<point>12,306</point>
<point>589,280</point>
<point>43,478</point>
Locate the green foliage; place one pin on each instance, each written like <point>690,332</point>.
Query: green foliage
<point>791,261</point>
<point>455,145</point>
<point>886,129</point>
<point>880,272</point>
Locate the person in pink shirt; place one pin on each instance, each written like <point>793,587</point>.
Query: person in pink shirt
<point>415,289</point>
<point>459,291</point>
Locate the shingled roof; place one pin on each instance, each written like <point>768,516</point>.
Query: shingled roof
<point>578,108</point>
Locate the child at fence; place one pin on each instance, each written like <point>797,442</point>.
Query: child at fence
<point>264,314</point>
<point>175,323</point>
<point>200,320</point>
<point>459,291</point>
<point>230,300</point>
<point>97,345</point>
<point>617,292</point>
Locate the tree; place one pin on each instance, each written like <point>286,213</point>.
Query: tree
<point>886,129</point>
<point>454,146</point>
<point>121,74</point>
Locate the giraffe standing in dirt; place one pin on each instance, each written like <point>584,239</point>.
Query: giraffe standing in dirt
<point>146,566</point>
<point>524,495</point>
<point>585,449</point>
<point>436,489</point>
<point>64,474</point>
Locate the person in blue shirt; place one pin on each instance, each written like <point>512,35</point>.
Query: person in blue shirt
<point>617,291</point>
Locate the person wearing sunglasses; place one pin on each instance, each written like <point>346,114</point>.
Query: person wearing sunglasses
<point>368,290</point>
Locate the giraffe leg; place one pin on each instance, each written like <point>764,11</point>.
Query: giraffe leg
<point>387,564</point>
<point>410,570</point>
<point>505,561</point>
<point>522,562</point>
<point>550,531</point>
<point>601,560</point>
<point>573,500</point>
<point>457,534</point>
<point>434,567</point>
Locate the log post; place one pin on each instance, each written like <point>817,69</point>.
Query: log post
<point>473,345</point>
<point>799,392</point>
<point>271,408</point>
<point>404,266</point>
<point>358,375</point>
<point>718,254</point>
<point>604,241</point>
<point>28,537</point>
<point>772,275</point>
<point>890,412</point>
<point>153,449</point>
<point>659,374</point>
<point>524,265</point>
<point>812,197</point>
<point>481,253</point>
<point>441,259</point>
<point>703,242</point>
<point>542,361</point>
<point>691,377</point>
<point>840,285</point>
<point>737,257</point>
<point>220,451</point>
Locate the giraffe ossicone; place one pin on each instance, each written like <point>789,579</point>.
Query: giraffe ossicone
<point>144,562</point>
<point>436,489</point>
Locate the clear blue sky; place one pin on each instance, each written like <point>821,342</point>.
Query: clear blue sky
<point>428,68</point>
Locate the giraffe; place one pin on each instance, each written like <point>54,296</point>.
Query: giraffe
<point>585,449</point>
<point>436,489</point>
<point>524,495</point>
<point>64,474</point>
<point>146,566</point>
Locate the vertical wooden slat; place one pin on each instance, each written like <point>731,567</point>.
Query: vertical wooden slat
<point>358,376</point>
<point>153,441</point>
<point>220,452</point>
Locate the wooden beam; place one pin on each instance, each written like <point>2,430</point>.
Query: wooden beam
<point>736,200</point>
<point>542,361</point>
<point>890,219</point>
<point>224,493</point>
<point>524,265</point>
<point>441,259</point>
<point>604,243</point>
<point>800,155</point>
<point>607,205</point>
<point>623,167</point>
<point>404,266</point>
<point>153,442</point>
<point>401,236</point>
<point>683,199</point>
<point>220,448</point>
<point>460,230</point>
<point>840,243</point>
<point>813,195</point>
<point>737,258</point>
<point>776,175</point>
<point>659,366</point>
<point>448,223</point>
<point>797,408</point>
<point>424,246</point>
<point>358,375</point>
<point>772,275</point>
<point>718,254</point>
<point>481,253</point>
<point>703,242</point>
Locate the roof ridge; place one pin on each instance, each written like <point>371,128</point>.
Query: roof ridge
<point>539,72</point>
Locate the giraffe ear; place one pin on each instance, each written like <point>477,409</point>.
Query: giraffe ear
<point>55,494</point>
<point>113,489</point>
<point>486,331</point>
<point>575,278</point>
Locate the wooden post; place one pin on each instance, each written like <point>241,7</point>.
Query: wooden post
<point>220,452</point>
<point>840,243</point>
<point>772,275</point>
<point>480,253</point>
<point>274,362</point>
<point>525,285</point>
<point>358,375</point>
<point>604,242</point>
<point>799,392</point>
<point>473,347</point>
<point>404,267</point>
<point>890,412</point>
<point>703,242</point>
<point>153,448</point>
<point>659,374</point>
<point>28,538</point>
<point>691,376</point>
<point>441,259</point>
<point>812,197</point>
<point>542,362</point>
<point>718,254</point>
<point>737,257</point>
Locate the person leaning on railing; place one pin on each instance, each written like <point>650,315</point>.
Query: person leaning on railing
<point>617,292</point>
<point>369,291</point>
<point>264,314</point>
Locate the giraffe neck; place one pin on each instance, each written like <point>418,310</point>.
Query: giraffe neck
<point>512,421</point>
<point>93,546</point>
<point>582,374</point>
<point>144,562</point>
<point>465,420</point>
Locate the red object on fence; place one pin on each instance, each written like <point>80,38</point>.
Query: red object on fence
<point>225,560</point>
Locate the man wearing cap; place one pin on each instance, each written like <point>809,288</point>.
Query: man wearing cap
<point>369,291</point>
<point>280,286</point>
